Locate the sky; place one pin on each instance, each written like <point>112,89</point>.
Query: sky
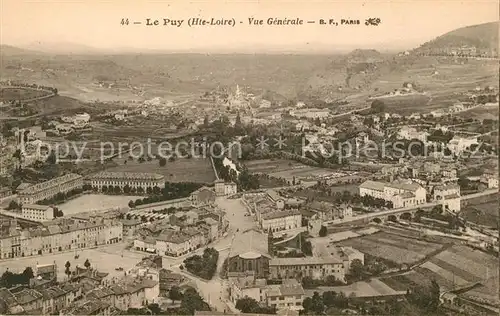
<point>96,23</point>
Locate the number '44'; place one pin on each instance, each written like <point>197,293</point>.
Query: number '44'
<point>124,22</point>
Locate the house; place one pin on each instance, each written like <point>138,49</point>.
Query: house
<point>225,188</point>
<point>401,193</point>
<point>203,196</point>
<point>411,133</point>
<point>38,213</point>
<point>348,255</point>
<point>130,226</point>
<point>449,196</point>
<point>314,267</point>
<point>457,145</point>
<point>286,296</point>
<point>29,299</point>
<point>490,179</point>
<point>274,197</point>
<point>247,285</point>
<point>281,220</point>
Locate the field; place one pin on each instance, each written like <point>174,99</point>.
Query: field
<point>181,170</point>
<point>406,105</point>
<point>441,78</point>
<point>95,202</point>
<point>455,267</point>
<point>395,248</point>
<point>286,169</point>
<point>8,93</point>
<point>311,193</point>
<point>483,214</point>
<point>359,289</point>
<point>481,113</point>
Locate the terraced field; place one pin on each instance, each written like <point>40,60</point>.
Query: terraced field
<point>455,267</point>
<point>287,169</point>
<point>395,248</point>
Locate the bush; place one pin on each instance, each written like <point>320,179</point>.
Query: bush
<point>323,231</point>
<point>203,266</point>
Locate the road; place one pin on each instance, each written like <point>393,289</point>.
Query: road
<point>214,291</point>
<point>402,210</point>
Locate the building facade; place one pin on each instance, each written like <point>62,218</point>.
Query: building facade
<point>401,193</point>
<point>38,213</point>
<point>298,268</point>
<point>281,220</point>
<point>203,196</point>
<point>135,181</point>
<point>64,236</point>
<point>286,296</point>
<point>48,189</point>
<point>225,188</point>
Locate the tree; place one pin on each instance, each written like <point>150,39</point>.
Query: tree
<point>13,205</point>
<point>314,304</point>
<point>175,294</point>
<point>329,298</point>
<point>323,231</point>
<point>131,204</point>
<point>28,274</point>
<point>377,220</point>
<point>378,106</point>
<point>67,270</point>
<point>356,269</point>
<point>86,264</point>
<point>162,162</point>
<point>191,302</point>
<point>51,159</point>
<point>126,189</point>
<point>247,305</point>
<point>425,297</point>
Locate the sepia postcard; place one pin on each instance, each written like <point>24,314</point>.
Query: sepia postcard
<point>249,157</point>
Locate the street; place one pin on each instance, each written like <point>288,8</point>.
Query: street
<point>214,291</point>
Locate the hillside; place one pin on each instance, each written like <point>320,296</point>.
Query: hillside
<point>482,36</point>
<point>361,72</point>
<point>7,50</point>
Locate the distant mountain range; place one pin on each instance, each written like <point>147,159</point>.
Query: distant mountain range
<point>482,36</point>
<point>8,50</point>
<point>78,68</point>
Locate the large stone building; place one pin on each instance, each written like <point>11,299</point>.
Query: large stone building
<point>286,296</point>
<point>225,188</point>
<point>448,196</point>
<point>315,267</point>
<point>59,235</point>
<point>203,196</point>
<point>37,213</point>
<point>401,193</point>
<point>250,252</point>
<point>275,221</point>
<point>135,181</point>
<point>46,190</point>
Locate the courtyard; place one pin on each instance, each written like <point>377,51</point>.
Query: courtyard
<point>104,259</point>
<point>95,202</point>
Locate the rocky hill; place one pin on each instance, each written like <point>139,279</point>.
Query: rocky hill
<point>482,36</point>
